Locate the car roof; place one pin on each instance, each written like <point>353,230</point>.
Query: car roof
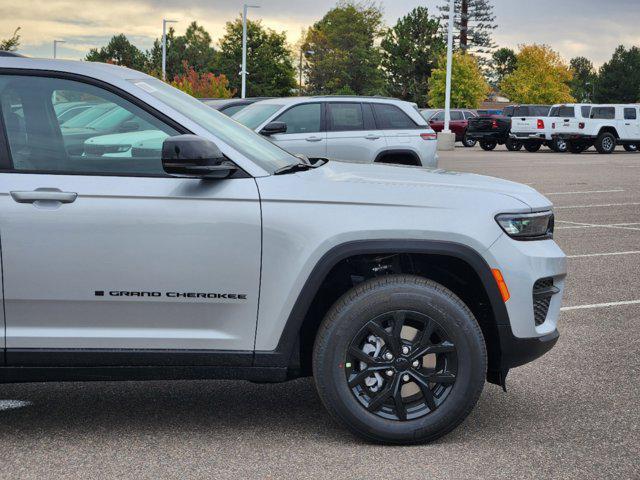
<point>286,101</point>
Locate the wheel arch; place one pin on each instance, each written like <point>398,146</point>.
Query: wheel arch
<point>609,129</point>
<point>302,323</point>
<point>399,152</point>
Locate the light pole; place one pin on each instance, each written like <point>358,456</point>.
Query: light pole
<point>55,47</point>
<point>447,95</point>
<point>308,52</point>
<point>164,46</point>
<point>446,139</point>
<point>244,47</point>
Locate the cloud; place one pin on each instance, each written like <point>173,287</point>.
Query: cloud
<point>573,27</point>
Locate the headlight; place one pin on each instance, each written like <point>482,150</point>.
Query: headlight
<point>527,226</point>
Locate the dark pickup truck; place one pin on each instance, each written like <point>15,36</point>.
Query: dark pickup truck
<point>491,130</point>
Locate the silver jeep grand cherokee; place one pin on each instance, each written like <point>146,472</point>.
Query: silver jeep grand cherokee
<point>154,238</point>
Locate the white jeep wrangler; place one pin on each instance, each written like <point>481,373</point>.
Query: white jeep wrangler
<point>605,127</point>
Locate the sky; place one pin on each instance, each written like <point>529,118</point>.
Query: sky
<point>573,27</point>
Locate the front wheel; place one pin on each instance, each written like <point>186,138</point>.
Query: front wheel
<point>513,145</point>
<point>631,147</point>
<point>488,145</point>
<point>532,146</point>
<point>468,142</point>
<point>399,359</point>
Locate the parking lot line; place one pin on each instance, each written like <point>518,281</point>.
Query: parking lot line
<point>568,227</point>
<point>585,191</point>
<point>587,255</point>
<point>596,225</point>
<point>565,207</point>
<point>600,305</point>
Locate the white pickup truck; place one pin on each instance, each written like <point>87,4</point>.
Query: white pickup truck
<point>531,125</point>
<point>601,126</point>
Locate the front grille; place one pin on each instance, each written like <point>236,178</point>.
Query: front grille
<point>543,290</point>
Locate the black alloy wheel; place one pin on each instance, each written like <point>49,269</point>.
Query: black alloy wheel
<point>399,378</point>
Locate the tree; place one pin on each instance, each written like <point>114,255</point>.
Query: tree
<point>345,57</point>
<point>194,47</point>
<point>541,76</point>
<point>584,79</point>
<point>12,43</point>
<point>119,51</point>
<point>202,85</point>
<point>269,62</point>
<point>474,22</point>
<point>468,86</point>
<point>504,62</point>
<point>619,78</point>
<point>410,52</point>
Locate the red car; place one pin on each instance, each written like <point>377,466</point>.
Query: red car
<point>458,124</point>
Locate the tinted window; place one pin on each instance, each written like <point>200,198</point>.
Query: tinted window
<point>531,111</point>
<point>255,115</point>
<point>438,117</point>
<point>345,116</point>
<point>305,118</point>
<point>585,111</point>
<point>232,110</point>
<point>630,114</point>
<point>122,139</point>
<point>391,117</point>
<point>603,113</point>
<point>508,111</point>
<point>553,112</point>
<point>565,112</point>
<point>469,114</point>
<point>456,115</point>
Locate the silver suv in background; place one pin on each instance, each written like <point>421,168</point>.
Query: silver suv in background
<point>353,129</point>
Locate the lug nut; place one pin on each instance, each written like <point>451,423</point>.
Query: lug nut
<point>389,373</point>
<point>388,356</point>
<point>405,377</point>
<point>415,364</point>
<point>405,350</point>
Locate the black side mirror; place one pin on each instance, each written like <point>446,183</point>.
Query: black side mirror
<point>273,128</point>
<point>196,157</point>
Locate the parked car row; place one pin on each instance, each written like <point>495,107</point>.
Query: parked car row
<point>562,127</point>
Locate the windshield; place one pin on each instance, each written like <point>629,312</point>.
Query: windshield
<point>254,115</point>
<point>250,144</point>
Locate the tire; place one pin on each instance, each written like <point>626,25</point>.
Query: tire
<point>468,142</point>
<point>532,147</point>
<point>559,145</point>
<point>605,143</point>
<point>513,145</point>
<point>345,341</point>
<point>575,147</point>
<point>631,147</point>
<point>488,145</point>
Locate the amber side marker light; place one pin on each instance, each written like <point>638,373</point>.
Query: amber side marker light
<point>502,286</point>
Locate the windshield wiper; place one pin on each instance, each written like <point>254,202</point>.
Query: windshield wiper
<point>294,167</point>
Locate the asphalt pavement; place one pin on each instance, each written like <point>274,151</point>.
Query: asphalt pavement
<point>573,414</point>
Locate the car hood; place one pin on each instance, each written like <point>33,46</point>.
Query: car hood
<point>416,181</point>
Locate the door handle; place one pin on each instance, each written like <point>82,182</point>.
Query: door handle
<point>313,139</point>
<point>44,195</point>
<point>372,137</point>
